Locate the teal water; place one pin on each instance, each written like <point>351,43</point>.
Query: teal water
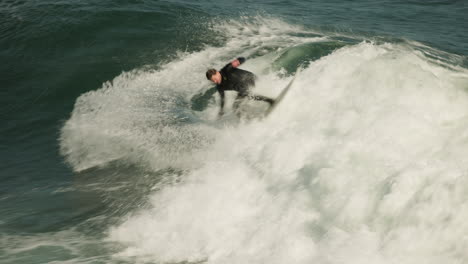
<point>106,157</point>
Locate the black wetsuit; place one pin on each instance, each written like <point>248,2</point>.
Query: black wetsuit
<point>234,79</point>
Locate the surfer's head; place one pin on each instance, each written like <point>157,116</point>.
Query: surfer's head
<point>213,75</point>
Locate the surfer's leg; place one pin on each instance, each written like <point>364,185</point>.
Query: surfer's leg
<point>240,97</point>
<point>262,98</point>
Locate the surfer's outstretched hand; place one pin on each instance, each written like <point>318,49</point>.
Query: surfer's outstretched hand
<point>235,63</point>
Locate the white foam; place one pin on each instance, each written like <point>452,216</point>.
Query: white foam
<point>142,116</point>
<point>363,162</point>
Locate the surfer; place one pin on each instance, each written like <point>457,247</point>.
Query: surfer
<point>230,78</point>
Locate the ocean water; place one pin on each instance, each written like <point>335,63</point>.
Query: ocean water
<point>110,153</point>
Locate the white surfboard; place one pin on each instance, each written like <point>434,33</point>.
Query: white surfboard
<point>280,97</point>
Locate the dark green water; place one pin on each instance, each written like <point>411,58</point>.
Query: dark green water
<point>65,188</point>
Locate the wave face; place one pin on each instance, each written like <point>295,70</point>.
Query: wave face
<point>363,161</point>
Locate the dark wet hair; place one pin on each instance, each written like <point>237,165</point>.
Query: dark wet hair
<point>210,73</point>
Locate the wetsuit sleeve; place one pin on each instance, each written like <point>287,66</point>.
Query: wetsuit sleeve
<point>228,67</point>
<point>241,60</point>
<point>221,94</point>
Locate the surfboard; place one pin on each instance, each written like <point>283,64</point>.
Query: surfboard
<point>280,97</point>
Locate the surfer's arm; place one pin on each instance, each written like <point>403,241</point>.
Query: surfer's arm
<point>233,64</point>
<point>221,94</point>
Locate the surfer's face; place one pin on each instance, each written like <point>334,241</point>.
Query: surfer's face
<point>216,78</point>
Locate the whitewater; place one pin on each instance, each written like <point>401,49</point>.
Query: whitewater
<point>364,161</point>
